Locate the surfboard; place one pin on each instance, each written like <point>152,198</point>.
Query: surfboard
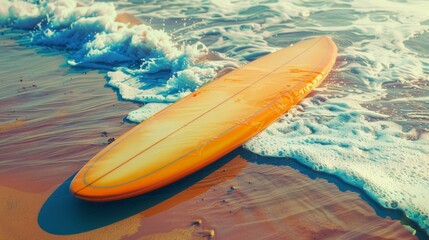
<point>206,124</point>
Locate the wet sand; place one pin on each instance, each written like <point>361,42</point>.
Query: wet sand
<point>53,119</point>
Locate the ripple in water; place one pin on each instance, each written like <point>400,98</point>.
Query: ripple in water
<point>366,124</point>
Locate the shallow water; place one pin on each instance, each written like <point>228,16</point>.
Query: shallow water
<point>367,123</point>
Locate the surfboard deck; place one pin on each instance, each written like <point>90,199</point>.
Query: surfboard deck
<point>205,125</point>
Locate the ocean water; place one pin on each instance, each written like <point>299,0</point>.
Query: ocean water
<point>368,123</point>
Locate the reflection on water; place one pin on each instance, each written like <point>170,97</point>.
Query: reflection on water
<point>366,124</point>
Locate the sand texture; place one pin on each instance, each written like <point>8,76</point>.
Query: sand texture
<point>53,119</point>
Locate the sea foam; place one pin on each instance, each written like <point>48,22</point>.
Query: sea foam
<point>367,123</point>
<point>144,64</point>
<point>361,147</point>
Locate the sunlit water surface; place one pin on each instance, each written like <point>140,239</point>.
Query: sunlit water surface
<point>367,123</point>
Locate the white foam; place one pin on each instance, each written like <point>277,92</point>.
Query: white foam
<point>377,156</point>
<point>348,128</point>
<point>146,112</point>
<point>147,65</point>
<point>339,136</point>
<point>22,14</point>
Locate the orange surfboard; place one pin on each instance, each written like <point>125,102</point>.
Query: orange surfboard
<point>205,125</point>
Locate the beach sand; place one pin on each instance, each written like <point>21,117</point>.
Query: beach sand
<point>53,119</point>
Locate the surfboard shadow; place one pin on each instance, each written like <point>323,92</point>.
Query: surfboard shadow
<point>64,214</point>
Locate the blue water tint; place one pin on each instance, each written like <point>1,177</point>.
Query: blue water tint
<point>368,122</point>
<point>146,64</point>
<point>342,186</point>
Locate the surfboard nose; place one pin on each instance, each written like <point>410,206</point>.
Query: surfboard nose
<point>93,185</point>
<point>85,189</point>
<point>80,189</point>
<point>88,192</point>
